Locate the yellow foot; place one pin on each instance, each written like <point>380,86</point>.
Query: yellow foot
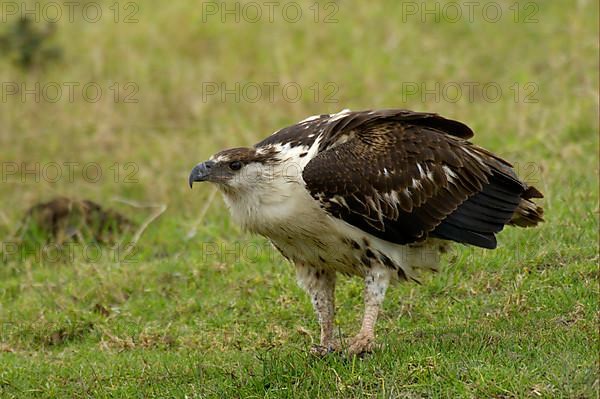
<point>361,344</point>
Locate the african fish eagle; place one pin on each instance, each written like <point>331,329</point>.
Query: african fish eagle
<point>376,194</point>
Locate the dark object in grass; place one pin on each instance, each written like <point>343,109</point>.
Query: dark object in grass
<point>64,219</point>
<point>29,46</point>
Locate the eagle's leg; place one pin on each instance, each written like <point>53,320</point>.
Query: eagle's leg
<point>320,285</point>
<point>376,283</point>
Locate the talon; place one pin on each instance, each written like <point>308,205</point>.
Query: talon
<point>361,345</point>
<point>321,350</point>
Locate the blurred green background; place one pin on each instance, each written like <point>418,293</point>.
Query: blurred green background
<point>141,91</point>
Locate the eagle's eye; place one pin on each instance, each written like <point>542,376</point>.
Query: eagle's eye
<point>235,165</point>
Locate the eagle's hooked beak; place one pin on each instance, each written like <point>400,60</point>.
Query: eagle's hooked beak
<point>201,172</point>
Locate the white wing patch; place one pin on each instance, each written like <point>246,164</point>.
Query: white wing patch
<point>299,155</point>
<point>339,115</point>
<point>450,175</point>
<point>310,118</point>
<point>416,184</point>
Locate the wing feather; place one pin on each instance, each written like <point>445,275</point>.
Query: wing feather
<point>404,176</point>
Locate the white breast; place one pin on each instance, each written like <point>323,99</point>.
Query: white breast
<point>277,205</point>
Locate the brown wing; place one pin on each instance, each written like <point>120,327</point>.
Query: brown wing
<point>405,177</point>
<point>337,126</point>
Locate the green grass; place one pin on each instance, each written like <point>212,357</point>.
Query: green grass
<point>219,314</point>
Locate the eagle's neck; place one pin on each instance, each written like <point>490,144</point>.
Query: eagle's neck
<point>277,201</point>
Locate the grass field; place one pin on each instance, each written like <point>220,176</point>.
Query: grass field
<point>202,309</point>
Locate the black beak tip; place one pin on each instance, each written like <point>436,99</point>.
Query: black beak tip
<point>192,178</point>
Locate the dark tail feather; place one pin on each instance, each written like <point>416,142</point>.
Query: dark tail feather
<point>528,214</point>
<point>504,200</point>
